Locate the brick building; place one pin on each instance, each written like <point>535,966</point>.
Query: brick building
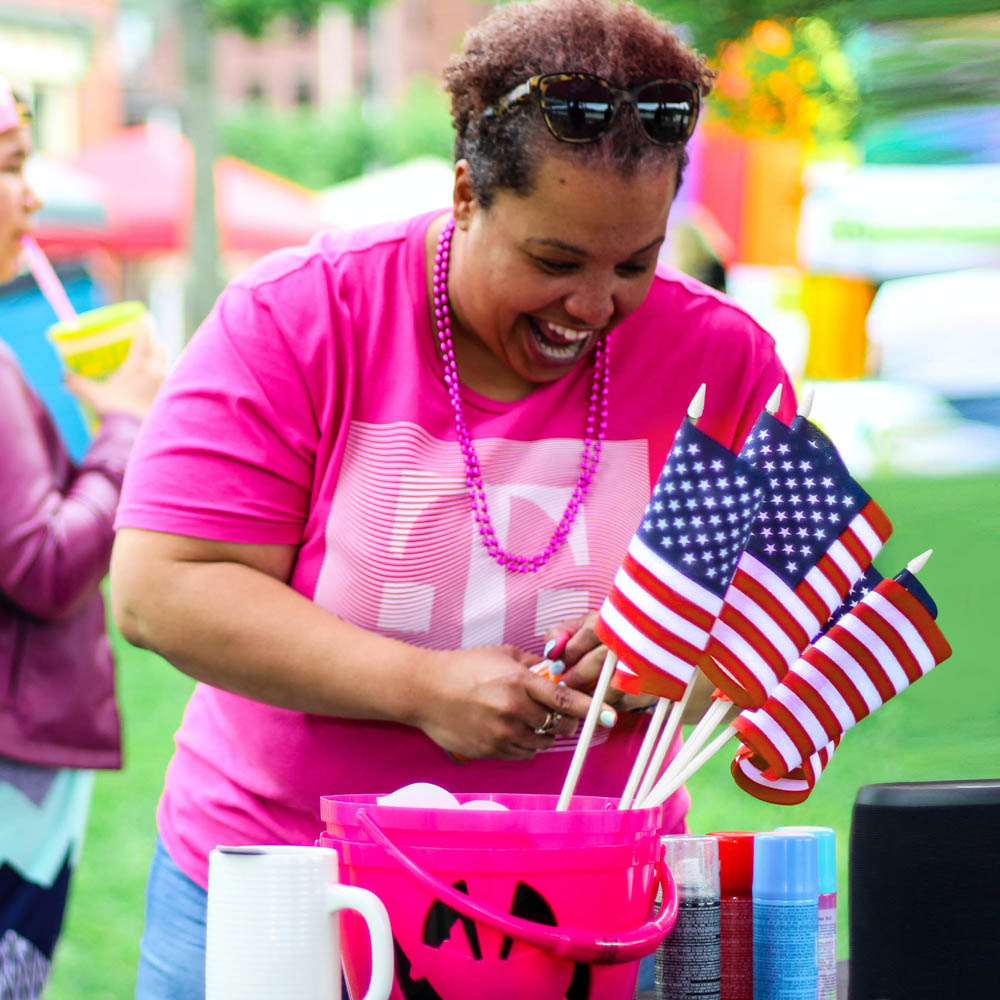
<point>318,66</point>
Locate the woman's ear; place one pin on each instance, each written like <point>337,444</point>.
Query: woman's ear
<point>463,196</point>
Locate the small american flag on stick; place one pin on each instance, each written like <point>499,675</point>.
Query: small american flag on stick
<point>882,645</point>
<point>670,586</point>
<point>748,768</point>
<point>815,534</point>
<point>794,788</point>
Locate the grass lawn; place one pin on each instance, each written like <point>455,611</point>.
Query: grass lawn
<point>944,727</point>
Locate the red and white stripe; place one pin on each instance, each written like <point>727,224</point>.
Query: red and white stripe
<point>764,624</point>
<point>875,651</point>
<point>748,772</point>
<point>657,622</point>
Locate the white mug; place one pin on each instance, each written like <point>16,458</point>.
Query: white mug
<point>272,930</point>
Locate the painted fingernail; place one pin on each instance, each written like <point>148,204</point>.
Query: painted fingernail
<point>556,667</point>
<point>549,646</point>
<point>608,717</point>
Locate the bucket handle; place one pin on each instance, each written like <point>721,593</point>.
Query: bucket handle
<point>571,944</point>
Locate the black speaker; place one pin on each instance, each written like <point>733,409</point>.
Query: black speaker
<point>924,891</point>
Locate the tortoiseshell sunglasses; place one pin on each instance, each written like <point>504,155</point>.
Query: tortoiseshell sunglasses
<point>580,107</point>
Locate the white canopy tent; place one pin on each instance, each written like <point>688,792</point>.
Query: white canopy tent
<point>880,222</point>
<point>418,185</point>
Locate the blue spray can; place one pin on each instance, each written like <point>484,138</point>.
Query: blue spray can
<point>826,842</point>
<point>785,916</point>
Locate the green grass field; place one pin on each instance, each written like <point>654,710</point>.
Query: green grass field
<point>944,727</point>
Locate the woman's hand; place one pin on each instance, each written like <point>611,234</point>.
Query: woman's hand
<point>486,702</point>
<point>132,387</point>
<point>581,655</point>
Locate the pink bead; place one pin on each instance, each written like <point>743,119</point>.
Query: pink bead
<point>473,476</point>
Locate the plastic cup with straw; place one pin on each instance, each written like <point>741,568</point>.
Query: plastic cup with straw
<point>92,343</point>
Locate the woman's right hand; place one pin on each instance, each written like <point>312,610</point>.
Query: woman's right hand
<point>132,387</point>
<point>486,702</point>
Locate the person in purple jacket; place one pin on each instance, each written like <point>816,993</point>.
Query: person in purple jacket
<point>58,718</point>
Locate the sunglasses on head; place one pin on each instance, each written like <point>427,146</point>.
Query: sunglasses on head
<point>580,107</point>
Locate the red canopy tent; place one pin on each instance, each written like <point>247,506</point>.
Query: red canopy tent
<point>145,178</point>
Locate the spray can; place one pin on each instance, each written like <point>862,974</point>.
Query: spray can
<point>687,962</point>
<point>735,914</point>
<point>785,915</point>
<point>826,842</point>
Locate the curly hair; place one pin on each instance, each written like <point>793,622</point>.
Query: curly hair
<point>616,40</point>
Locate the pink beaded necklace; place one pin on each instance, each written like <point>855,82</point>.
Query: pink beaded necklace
<point>473,475</point>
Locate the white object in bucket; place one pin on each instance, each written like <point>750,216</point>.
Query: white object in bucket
<point>424,795</point>
<point>420,795</point>
<point>272,929</point>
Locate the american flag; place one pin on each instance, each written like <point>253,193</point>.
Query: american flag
<point>870,579</point>
<point>794,788</point>
<point>880,647</point>
<point>816,533</point>
<point>670,585</point>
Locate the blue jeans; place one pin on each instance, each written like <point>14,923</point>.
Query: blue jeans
<point>172,952</point>
<point>647,973</point>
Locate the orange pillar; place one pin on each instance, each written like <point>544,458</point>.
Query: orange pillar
<point>836,308</point>
<point>772,197</point>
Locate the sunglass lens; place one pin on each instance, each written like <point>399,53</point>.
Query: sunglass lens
<point>577,108</point>
<point>668,111</point>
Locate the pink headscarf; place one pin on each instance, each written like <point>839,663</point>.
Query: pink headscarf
<point>13,113</point>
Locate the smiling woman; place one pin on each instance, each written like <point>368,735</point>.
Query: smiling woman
<point>397,467</point>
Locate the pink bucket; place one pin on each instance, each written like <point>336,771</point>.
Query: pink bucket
<point>507,904</point>
<point>529,821</point>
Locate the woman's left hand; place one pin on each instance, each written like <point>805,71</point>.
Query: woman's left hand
<point>583,654</point>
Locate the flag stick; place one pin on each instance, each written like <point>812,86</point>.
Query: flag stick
<point>917,563</point>
<point>47,279</point>
<point>589,725</point>
<point>668,785</point>
<point>805,404</point>
<point>774,400</point>
<point>664,745</point>
<point>701,733</point>
<point>644,751</point>
<point>695,410</point>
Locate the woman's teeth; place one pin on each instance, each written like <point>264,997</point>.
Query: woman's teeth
<point>560,343</point>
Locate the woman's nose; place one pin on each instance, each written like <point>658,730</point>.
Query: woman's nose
<point>32,203</point>
<point>591,302</point>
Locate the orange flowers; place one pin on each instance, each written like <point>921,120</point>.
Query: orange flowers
<point>788,78</point>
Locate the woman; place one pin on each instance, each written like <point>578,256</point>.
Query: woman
<point>57,711</point>
<point>395,466</point>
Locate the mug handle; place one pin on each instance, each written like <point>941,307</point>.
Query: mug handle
<point>369,906</point>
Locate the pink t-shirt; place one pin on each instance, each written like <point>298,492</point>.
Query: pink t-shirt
<point>310,410</point>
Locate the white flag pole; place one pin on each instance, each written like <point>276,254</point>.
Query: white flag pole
<point>589,725</point>
<point>652,730</point>
<point>706,725</point>
<point>663,746</point>
<point>668,784</point>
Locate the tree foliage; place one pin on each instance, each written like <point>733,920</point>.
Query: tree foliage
<point>340,143</point>
<point>712,22</point>
<point>253,17</point>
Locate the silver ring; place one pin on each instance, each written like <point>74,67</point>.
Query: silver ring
<point>548,726</point>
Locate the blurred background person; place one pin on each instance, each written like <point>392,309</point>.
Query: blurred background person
<point>58,718</point>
